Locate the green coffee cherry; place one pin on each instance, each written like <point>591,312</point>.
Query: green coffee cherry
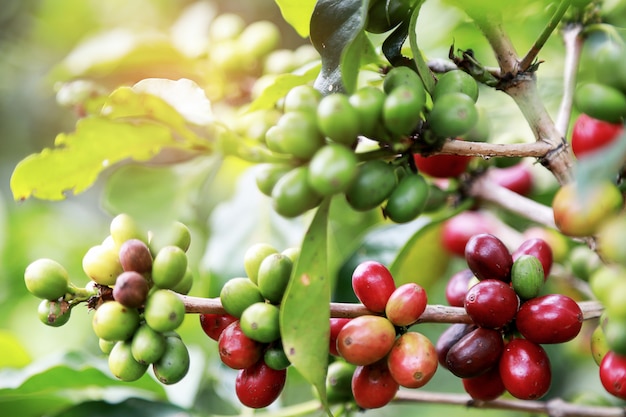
<point>102,264</point>
<point>368,102</point>
<point>268,174</point>
<point>114,321</point>
<point>176,234</point>
<point>452,115</point>
<point>374,182</point>
<point>398,76</point>
<point>456,81</point>
<point>273,277</point>
<point>123,365</point>
<point>260,322</point>
<point>54,313</point>
<point>124,227</point>
<point>337,119</point>
<point>185,284</point>
<point>332,169</point>
<point>106,346</point>
<point>174,364</point>
<point>601,102</point>
<point>408,199</point>
<point>293,254</point>
<point>275,357</point>
<point>302,98</point>
<point>46,279</point>
<point>402,109</point>
<point>147,345</point>
<point>164,311</point>
<point>254,256</point>
<point>338,382</point>
<point>527,276</point>
<point>237,294</point>
<point>293,195</point>
<point>169,267</point>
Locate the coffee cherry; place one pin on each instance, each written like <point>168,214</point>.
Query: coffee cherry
<point>601,102</point>
<point>175,234</point>
<point>488,257</point>
<point>169,267</point>
<point>276,358</point>
<point>259,385</point>
<point>54,313</point>
<point>475,353</point>
<point>407,200</point>
<point>297,134</point>
<point>260,322</point>
<point>604,279</point>
<point>406,304</point>
<point>124,227</point>
<point>164,311</point>
<point>516,178</point>
<point>590,134</point>
<point>114,321</point>
<point>106,346</point>
<point>293,195</point>
<point>185,284</point>
<point>273,277</point>
<point>336,324</point>
<point>441,165</point>
<point>614,330</point>
<point>491,303</point>
<point>131,289</point>
<point>337,119</point>
<point>599,346</point>
<point>412,360</point>
<point>525,369</point>
<point>553,318</point>
<point>122,364</point>
<point>402,76</point>
<point>237,350</point>
<point>613,374</point>
<point>485,387</point>
<point>147,345</point>
<point>374,182</point>
<point>402,109</point>
<point>457,287</point>
<point>214,324</point>
<point>339,382</point>
<point>365,339</point>
<point>46,279</point>
<point>302,98</point>
<point>174,363</point>
<point>449,338</point>
<point>237,294</point>
<point>373,385</point>
<point>527,276</point>
<point>456,81</point>
<point>253,257</point>
<point>373,284</point>
<point>458,230</point>
<point>368,101</point>
<point>610,240</point>
<point>102,264</point>
<point>332,169</point>
<point>452,115</point>
<point>538,248</point>
<point>615,306</point>
<point>135,256</point>
<point>259,38</point>
<point>268,174</point>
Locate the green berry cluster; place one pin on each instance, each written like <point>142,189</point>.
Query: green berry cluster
<point>248,334</point>
<point>135,277</point>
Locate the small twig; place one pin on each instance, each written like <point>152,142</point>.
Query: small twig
<point>486,150</point>
<point>554,407</point>
<point>530,57</point>
<point>491,26</point>
<point>573,42</point>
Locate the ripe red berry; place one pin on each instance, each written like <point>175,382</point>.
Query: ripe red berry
<point>485,387</point>
<point>488,257</point>
<point>553,318</point>
<point>412,360</point>
<point>457,287</point>
<point>475,353</point>
<point>373,386</point>
<point>336,324</point>
<point>460,228</point>
<point>373,284</point>
<point>214,324</point>
<point>516,178</point>
<point>366,339</point>
<point>406,304</point>
<point>448,338</point>
<point>237,350</point>
<point>538,248</point>
<point>491,303</point>
<point>442,165</point>
<point>590,134</point>
<point>525,369</point>
<point>613,374</point>
<point>259,385</point>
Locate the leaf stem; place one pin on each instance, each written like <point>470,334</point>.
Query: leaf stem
<point>554,21</point>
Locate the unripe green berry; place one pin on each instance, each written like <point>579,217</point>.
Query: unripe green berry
<point>114,321</point>
<point>123,227</point>
<point>527,276</point>
<point>169,267</point>
<point>254,256</point>
<point>273,278</point>
<point>123,365</point>
<point>237,294</point>
<point>46,279</point>
<point>147,345</point>
<point>174,364</point>
<point>54,313</point>
<point>260,322</point>
<point>164,311</point>
<point>102,264</point>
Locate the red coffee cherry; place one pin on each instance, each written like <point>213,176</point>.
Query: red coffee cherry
<point>366,339</point>
<point>488,257</point>
<point>131,289</point>
<point>237,350</point>
<point>448,338</point>
<point>460,228</point>
<point>373,386</point>
<point>373,284</point>
<point>613,374</point>
<point>538,248</point>
<point>590,134</point>
<point>491,303</point>
<point>214,324</point>
<point>259,385</point>
<point>336,324</point>
<point>406,304</point>
<point>516,178</point>
<point>485,387</point>
<point>457,287</point>
<point>525,369</point>
<point>412,360</point>
<point>553,318</point>
<point>442,166</point>
<point>475,353</point>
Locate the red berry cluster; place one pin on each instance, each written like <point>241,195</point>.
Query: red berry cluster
<point>385,355</point>
<point>500,291</point>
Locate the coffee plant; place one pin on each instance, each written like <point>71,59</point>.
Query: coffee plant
<point>440,239</point>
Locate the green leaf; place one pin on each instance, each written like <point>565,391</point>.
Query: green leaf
<point>14,355</point>
<point>422,66</point>
<point>360,52</point>
<point>298,14</point>
<point>305,311</point>
<point>136,407</point>
<point>280,87</point>
<point>335,25</point>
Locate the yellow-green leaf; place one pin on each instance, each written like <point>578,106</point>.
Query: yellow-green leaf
<point>298,14</point>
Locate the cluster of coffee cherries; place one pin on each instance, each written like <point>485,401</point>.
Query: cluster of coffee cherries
<point>134,283</point>
<point>375,353</point>
<point>248,333</point>
<point>500,350</point>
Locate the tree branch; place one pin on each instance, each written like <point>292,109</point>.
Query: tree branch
<point>490,25</point>
<point>573,42</point>
<point>485,149</point>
